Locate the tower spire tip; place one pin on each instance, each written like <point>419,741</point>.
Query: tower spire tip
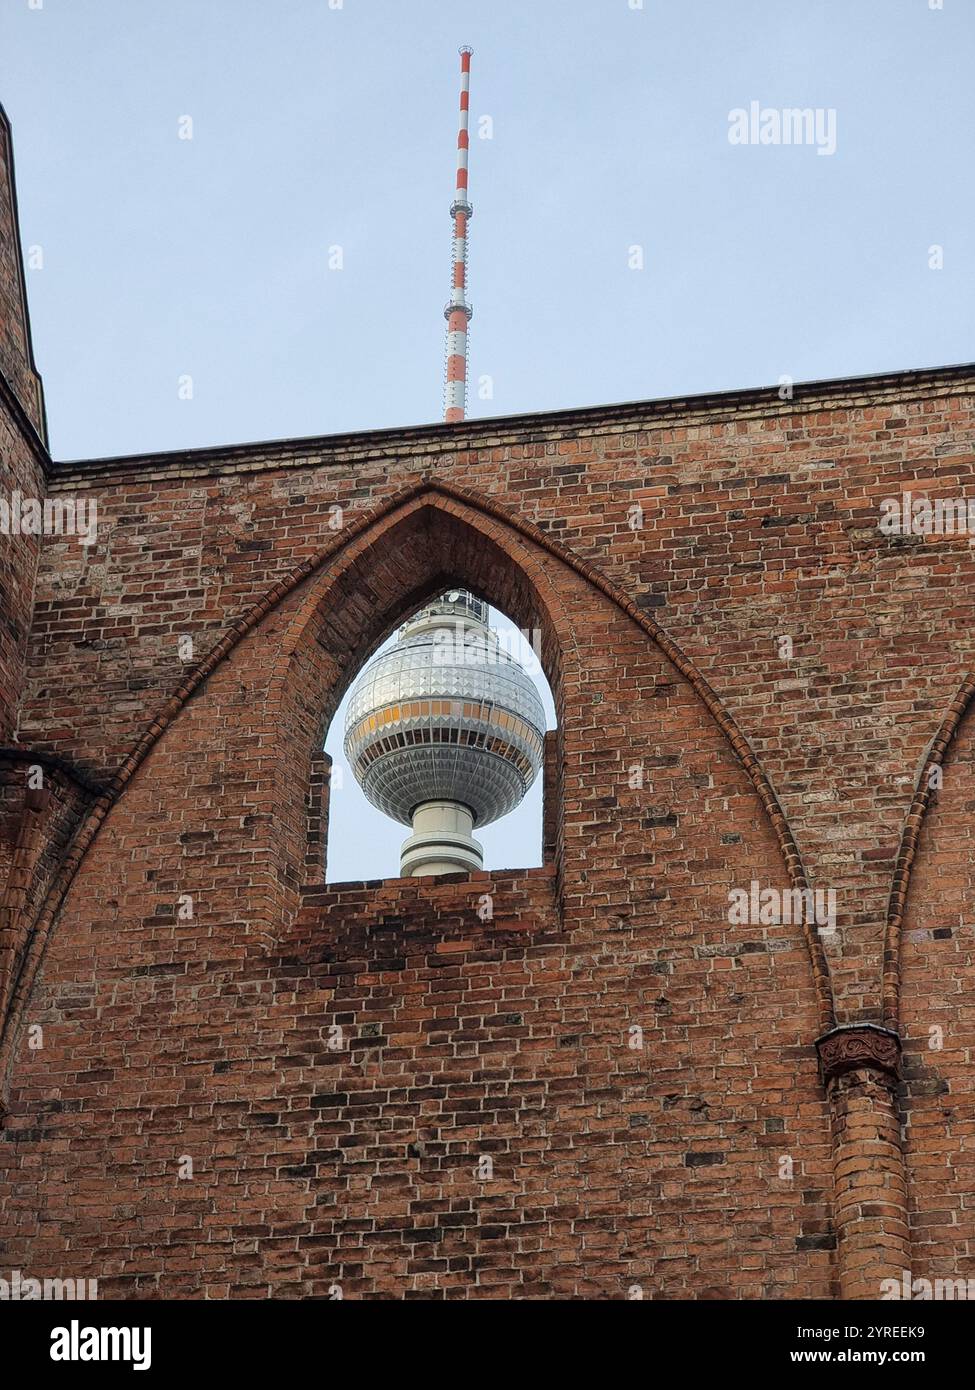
<point>458,311</point>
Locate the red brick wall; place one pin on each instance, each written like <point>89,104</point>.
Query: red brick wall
<point>938,1021</point>
<point>20,471</point>
<point>699,1164</point>
<point>16,355</point>
<point>21,452</point>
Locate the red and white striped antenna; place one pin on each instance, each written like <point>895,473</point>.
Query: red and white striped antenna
<point>458,312</point>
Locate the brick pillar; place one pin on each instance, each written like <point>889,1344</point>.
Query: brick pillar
<point>860,1066</point>
<point>550,796</point>
<point>317,807</point>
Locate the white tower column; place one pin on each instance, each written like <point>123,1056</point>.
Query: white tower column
<point>441,842</point>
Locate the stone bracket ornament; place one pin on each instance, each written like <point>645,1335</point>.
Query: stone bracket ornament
<point>853,1046</point>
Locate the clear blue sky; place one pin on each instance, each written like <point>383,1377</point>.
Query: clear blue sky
<point>315,127</point>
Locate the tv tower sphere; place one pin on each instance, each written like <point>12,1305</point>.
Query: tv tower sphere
<point>444,732</point>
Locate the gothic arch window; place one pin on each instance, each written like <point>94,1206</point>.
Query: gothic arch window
<point>435,760</point>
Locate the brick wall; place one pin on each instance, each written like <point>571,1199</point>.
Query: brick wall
<point>20,471</point>
<point>663,550</point>
<point>22,453</point>
<point>938,1021</point>
<point>16,353</point>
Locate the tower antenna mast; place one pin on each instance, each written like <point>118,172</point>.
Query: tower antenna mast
<point>458,312</point>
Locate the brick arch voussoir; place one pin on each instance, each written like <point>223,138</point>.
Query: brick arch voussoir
<point>934,757</point>
<point>387,531</point>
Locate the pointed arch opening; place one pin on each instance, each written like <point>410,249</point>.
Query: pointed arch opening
<point>449,698</point>
<point>350,612</point>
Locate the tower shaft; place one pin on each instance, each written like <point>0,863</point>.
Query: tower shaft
<point>458,311</point>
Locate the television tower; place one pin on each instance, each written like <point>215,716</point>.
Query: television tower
<point>444,731</point>
<point>458,312</point>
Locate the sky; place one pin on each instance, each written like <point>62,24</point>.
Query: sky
<point>292,258</point>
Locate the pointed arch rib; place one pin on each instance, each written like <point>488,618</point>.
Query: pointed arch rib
<point>907,852</point>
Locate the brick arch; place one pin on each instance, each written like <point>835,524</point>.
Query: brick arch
<point>492,560</point>
<point>483,516</point>
<point>418,546</point>
<point>934,757</point>
<point>350,554</point>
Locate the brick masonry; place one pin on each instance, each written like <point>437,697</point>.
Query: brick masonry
<point>222,1078</point>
